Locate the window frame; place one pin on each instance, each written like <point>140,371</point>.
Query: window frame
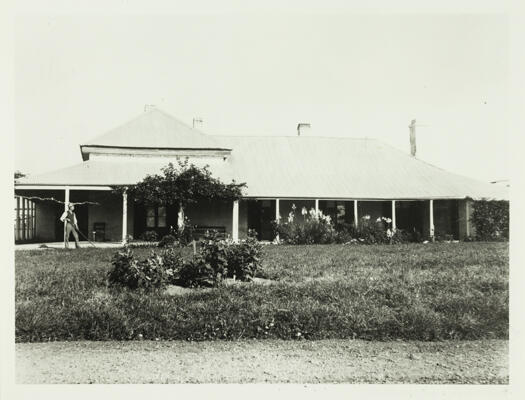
<point>156,216</point>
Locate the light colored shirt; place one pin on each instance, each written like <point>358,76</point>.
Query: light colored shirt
<point>64,216</point>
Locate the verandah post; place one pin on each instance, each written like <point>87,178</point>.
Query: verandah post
<point>277,217</point>
<point>316,206</point>
<point>356,223</point>
<point>431,220</point>
<point>125,216</point>
<point>66,205</point>
<point>394,226</point>
<point>235,221</point>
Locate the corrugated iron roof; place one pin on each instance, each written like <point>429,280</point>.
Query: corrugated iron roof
<point>320,167</point>
<point>155,129</point>
<point>298,167</point>
<point>282,167</point>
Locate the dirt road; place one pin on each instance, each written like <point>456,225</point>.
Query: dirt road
<point>272,361</point>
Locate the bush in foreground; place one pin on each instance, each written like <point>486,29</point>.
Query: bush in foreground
<point>217,259</point>
<point>156,271</point>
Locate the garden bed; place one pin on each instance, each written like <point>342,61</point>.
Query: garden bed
<point>412,291</point>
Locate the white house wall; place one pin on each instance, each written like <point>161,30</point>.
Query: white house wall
<point>215,213</point>
<point>109,211</point>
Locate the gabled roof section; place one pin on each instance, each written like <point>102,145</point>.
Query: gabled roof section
<point>155,129</point>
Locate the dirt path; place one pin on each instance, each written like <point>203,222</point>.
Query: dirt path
<point>272,361</point>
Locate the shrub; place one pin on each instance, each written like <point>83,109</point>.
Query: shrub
<point>313,227</point>
<point>244,258</point>
<point>122,272</point>
<point>491,220</point>
<point>217,259</point>
<point>443,237</point>
<point>213,253</point>
<point>199,273</point>
<point>374,232</point>
<point>368,231</point>
<point>225,258</point>
<point>149,236</point>
<point>401,236</point>
<point>167,241</point>
<point>156,271</point>
<point>182,236</point>
<point>186,235</point>
<point>345,233</point>
<point>172,262</point>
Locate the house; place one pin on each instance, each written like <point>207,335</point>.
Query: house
<point>344,177</point>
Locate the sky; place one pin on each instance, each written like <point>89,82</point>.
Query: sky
<point>351,75</point>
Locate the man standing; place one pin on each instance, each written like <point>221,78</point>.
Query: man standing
<point>70,219</point>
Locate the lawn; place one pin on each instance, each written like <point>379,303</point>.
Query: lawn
<point>412,292</point>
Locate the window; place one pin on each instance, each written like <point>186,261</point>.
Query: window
<point>156,217</point>
<point>161,217</point>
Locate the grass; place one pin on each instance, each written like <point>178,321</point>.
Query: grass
<point>411,292</point>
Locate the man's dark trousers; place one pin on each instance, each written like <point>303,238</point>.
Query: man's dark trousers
<point>70,228</point>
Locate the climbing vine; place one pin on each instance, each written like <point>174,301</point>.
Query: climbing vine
<point>182,185</point>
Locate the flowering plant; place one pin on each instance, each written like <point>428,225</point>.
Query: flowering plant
<point>313,227</point>
<point>378,231</point>
<point>316,227</point>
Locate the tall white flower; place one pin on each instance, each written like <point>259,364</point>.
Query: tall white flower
<point>304,211</point>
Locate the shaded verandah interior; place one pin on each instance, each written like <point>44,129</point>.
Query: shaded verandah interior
<point>107,216</point>
<point>104,215</point>
<point>92,208</point>
<point>423,218</point>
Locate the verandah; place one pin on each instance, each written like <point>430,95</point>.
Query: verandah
<point>122,221</point>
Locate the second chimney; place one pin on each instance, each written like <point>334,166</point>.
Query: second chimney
<point>412,128</point>
<point>197,123</point>
<point>303,127</point>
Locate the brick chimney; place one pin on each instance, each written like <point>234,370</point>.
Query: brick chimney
<point>303,127</point>
<point>412,128</point>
